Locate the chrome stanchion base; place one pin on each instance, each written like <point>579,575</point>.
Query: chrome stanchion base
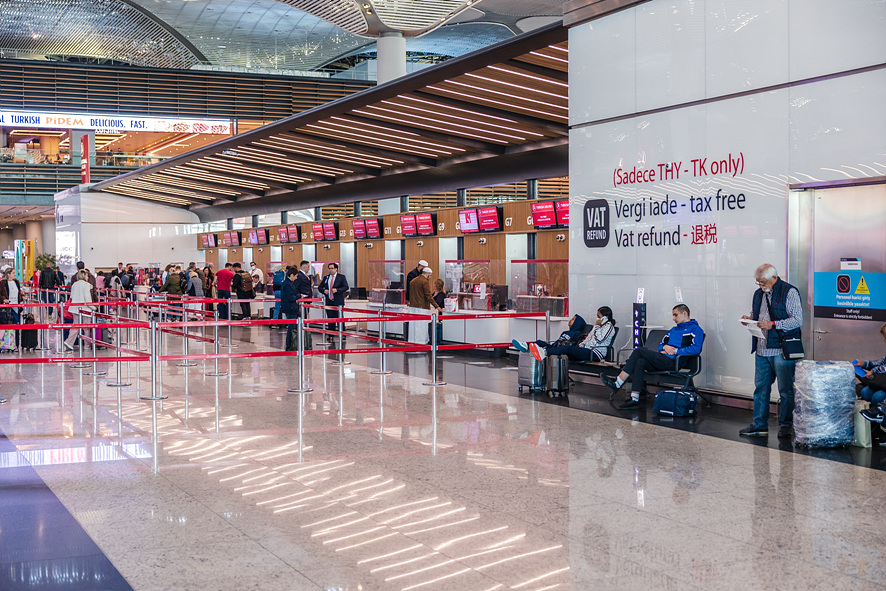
<point>149,398</point>
<point>119,385</point>
<point>186,363</point>
<point>382,372</point>
<point>95,373</point>
<point>299,390</point>
<point>217,374</point>
<point>433,383</point>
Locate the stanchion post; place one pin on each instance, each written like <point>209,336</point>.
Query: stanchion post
<point>301,359</point>
<point>185,362</point>
<point>95,371</point>
<point>80,365</point>
<point>41,345</point>
<point>548,326</point>
<point>230,344</point>
<point>217,373</point>
<point>341,355</point>
<point>434,381</point>
<point>381,334</point>
<point>60,318</point>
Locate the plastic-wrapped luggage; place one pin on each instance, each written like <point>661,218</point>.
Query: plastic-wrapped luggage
<point>825,403</point>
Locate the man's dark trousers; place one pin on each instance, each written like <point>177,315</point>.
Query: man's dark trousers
<point>643,360</point>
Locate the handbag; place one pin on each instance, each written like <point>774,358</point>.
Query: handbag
<point>791,347</point>
<point>675,403</point>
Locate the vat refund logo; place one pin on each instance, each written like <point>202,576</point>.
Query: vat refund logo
<point>596,223</point>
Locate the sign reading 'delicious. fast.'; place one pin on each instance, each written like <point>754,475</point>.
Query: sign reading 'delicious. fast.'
<point>633,225</point>
<point>38,120</point>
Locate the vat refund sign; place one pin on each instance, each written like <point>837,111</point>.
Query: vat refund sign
<point>850,295</point>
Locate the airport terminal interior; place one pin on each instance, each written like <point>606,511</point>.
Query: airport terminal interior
<point>467,294</point>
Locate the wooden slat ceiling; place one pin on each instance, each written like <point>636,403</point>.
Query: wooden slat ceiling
<point>510,98</point>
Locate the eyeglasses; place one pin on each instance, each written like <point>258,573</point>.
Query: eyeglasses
<point>761,283</point>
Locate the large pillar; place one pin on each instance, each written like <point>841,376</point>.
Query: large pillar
<point>48,242</point>
<point>391,56</point>
<point>34,231</point>
<point>18,232</point>
<point>6,240</point>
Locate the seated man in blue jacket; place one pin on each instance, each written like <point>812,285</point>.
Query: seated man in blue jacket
<point>685,338</point>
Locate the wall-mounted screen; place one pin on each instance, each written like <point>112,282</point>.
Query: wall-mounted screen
<point>373,229</point>
<point>282,234</point>
<point>235,238</point>
<point>467,221</point>
<point>407,226</point>
<point>204,240</point>
<point>543,215</point>
<point>226,238</point>
<point>359,227</point>
<point>294,234</point>
<point>317,230</point>
<point>211,238</point>
<point>330,230</point>
<point>426,224</point>
<point>262,235</point>
<point>253,237</point>
<point>489,219</point>
<point>563,213</point>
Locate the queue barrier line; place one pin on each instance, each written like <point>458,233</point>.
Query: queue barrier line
<point>80,325</point>
<point>63,360</point>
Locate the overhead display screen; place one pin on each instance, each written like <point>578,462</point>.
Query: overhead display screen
<point>294,233</point>
<point>373,228</point>
<point>543,215</point>
<point>330,230</point>
<point>212,240</point>
<point>407,226</point>
<point>262,235</point>
<point>489,219</point>
<point>359,227</point>
<point>467,221</point>
<point>204,239</point>
<point>253,237</point>
<point>317,229</point>
<point>426,224</point>
<point>563,213</point>
<point>282,234</point>
<point>235,238</point>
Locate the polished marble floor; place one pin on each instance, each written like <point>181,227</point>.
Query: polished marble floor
<point>381,482</point>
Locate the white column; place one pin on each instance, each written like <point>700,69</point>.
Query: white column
<point>48,242</point>
<point>391,56</point>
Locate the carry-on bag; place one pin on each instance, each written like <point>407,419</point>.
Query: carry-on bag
<point>29,335</point>
<point>557,371</point>
<point>675,403</point>
<point>530,372</point>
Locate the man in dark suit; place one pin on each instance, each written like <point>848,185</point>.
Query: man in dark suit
<point>304,287</point>
<point>334,287</point>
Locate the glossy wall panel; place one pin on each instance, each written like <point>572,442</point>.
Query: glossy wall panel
<point>722,166</point>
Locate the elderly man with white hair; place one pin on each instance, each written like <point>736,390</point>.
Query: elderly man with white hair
<point>778,311</point>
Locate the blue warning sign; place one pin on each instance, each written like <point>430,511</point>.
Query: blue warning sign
<point>850,295</point>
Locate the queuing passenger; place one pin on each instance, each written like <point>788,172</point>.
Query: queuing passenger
<point>871,387</point>
<point>289,306</point>
<point>100,280</point>
<point>81,293</point>
<point>90,278</point>
<point>592,347</point>
<point>277,279</point>
<point>439,294</point>
<point>334,287</point>
<point>61,276</point>
<point>420,301</point>
<point>243,286</point>
<point>780,318</point>
<point>303,284</point>
<point>412,275</point>
<point>173,283</point>
<point>48,284</point>
<point>11,293</point>
<point>209,287</point>
<point>223,280</point>
<point>686,338</point>
<point>258,277</point>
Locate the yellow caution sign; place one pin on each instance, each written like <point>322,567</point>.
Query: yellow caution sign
<point>862,288</point>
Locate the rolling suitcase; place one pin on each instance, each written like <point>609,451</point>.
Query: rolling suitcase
<point>29,336</point>
<point>530,372</point>
<point>557,370</point>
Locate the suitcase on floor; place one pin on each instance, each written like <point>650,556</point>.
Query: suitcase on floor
<point>675,403</point>
<point>557,372</point>
<point>306,340</point>
<point>530,372</point>
<point>29,335</point>
<point>7,341</point>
